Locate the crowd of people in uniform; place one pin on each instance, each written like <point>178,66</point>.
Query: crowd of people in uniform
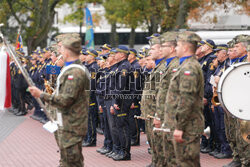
<point>166,90</point>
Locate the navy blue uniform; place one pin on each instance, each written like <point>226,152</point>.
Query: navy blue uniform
<point>136,91</point>
<point>223,145</point>
<point>206,62</point>
<point>123,99</point>
<point>93,109</point>
<point>100,94</point>
<point>109,101</point>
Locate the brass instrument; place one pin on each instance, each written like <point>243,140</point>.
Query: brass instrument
<point>215,99</point>
<point>245,130</point>
<point>48,87</point>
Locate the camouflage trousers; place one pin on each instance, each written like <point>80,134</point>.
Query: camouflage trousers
<point>158,145</point>
<point>188,152</point>
<point>243,146</point>
<point>72,156</point>
<point>168,150</point>
<point>230,128</point>
<point>149,132</point>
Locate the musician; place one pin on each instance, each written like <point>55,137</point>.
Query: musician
<point>222,149</point>
<point>207,47</point>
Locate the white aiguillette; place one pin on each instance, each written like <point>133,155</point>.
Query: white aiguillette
<point>50,126</point>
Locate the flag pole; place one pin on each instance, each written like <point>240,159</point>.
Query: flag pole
<point>23,71</point>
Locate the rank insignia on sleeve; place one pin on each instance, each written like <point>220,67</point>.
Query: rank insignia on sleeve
<point>70,77</point>
<point>187,73</point>
<point>136,74</point>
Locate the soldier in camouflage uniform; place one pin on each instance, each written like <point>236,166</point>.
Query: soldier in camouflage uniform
<point>71,99</point>
<point>184,102</point>
<point>241,149</point>
<point>162,145</point>
<point>149,92</point>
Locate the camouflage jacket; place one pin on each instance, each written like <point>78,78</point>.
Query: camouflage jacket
<point>168,73</point>
<point>151,87</point>
<point>71,99</point>
<point>184,102</point>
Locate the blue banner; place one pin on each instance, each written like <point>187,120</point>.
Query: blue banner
<point>53,69</point>
<point>89,35</point>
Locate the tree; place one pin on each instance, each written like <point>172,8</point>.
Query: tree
<point>35,17</point>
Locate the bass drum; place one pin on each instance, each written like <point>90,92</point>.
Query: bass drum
<point>234,90</point>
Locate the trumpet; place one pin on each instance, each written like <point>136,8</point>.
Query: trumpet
<point>48,87</point>
<point>215,99</point>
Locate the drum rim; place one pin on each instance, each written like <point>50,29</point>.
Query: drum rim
<point>221,82</point>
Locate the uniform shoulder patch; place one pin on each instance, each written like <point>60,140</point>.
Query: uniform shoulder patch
<point>136,74</point>
<point>93,75</point>
<point>187,73</point>
<point>124,72</point>
<point>70,77</point>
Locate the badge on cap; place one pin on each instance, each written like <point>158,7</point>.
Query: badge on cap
<point>187,73</point>
<point>70,77</point>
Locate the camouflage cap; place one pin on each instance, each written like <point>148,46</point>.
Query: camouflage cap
<point>241,38</point>
<point>154,41</point>
<point>231,43</point>
<point>59,38</point>
<point>73,43</point>
<point>168,37</point>
<point>188,36</point>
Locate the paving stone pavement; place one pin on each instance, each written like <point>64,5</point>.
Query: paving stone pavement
<point>29,145</point>
<point>8,122</point>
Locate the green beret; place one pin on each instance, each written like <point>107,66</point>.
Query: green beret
<point>168,37</point>
<point>73,43</point>
<point>188,36</point>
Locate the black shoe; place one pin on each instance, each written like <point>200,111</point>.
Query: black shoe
<point>112,155</point>
<point>122,157</point>
<point>223,156</point>
<point>133,143</point>
<point>100,149</point>
<point>233,164</point>
<point>213,153</point>
<point>15,111</point>
<point>105,151</point>
<point>44,121</point>
<point>21,113</point>
<point>107,154</point>
<point>88,144</point>
<point>206,150</point>
<point>99,130</point>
